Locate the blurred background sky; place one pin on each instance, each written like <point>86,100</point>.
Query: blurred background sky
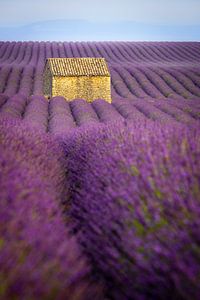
<point>100,20</point>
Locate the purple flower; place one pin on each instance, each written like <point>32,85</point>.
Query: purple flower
<point>39,258</point>
<point>135,197</point>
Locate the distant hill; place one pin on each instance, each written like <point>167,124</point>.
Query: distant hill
<point>80,30</point>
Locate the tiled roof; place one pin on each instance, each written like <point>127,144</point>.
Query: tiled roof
<point>87,66</point>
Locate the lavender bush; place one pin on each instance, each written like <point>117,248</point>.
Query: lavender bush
<point>3,99</point>
<point>83,112</point>
<point>39,259</point>
<point>36,114</point>
<point>61,121</point>
<point>14,107</point>
<point>135,194</point>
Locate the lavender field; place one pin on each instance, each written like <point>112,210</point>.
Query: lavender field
<point>98,200</point>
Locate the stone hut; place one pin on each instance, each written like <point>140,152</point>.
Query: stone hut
<point>73,78</point>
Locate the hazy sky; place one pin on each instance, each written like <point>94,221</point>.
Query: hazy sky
<point>167,13</point>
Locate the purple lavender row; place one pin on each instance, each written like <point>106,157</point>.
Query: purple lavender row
<point>20,52</point>
<point>132,84</point>
<point>114,93</point>
<point>173,83</point>
<point>83,112</point>
<point>14,106</point>
<point>139,52</point>
<point>136,208</point>
<point>131,54</point>
<point>188,107</point>
<point>176,54</point>
<point>125,51</point>
<point>81,50</point>
<point>94,49</point>
<point>13,54</point>
<point>24,61</point>
<point>145,84</point>
<point>55,51</point>
<point>91,49</point>
<point>17,53</point>
<point>3,48</point>
<point>99,47</point>
<point>136,48</point>
<point>4,73</point>
<point>28,77</point>
<point>116,52</point>
<point>68,50</point>
<point>30,53</point>
<point>158,82</point>
<point>13,81</point>
<point>152,112</point>
<point>189,54</point>
<point>148,55</point>
<point>38,77</point>
<point>127,110</point>
<point>186,82</point>
<point>36,113</point>
<point>119,86</point>
<point>155,54</point>
<point>20,59</point>
<point>194,47</point>
<point>26,82</point>
<point>164,53</point>
<point>150,52</point>
<point>39,258</point>
<point>194,77</point>
<point>3,99</point>
<point>7,52</point>
<point>175,112</point>
<point>74,49</point>
<point>106,112</point>
<point>61,121</point>
<point>35,56</point>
